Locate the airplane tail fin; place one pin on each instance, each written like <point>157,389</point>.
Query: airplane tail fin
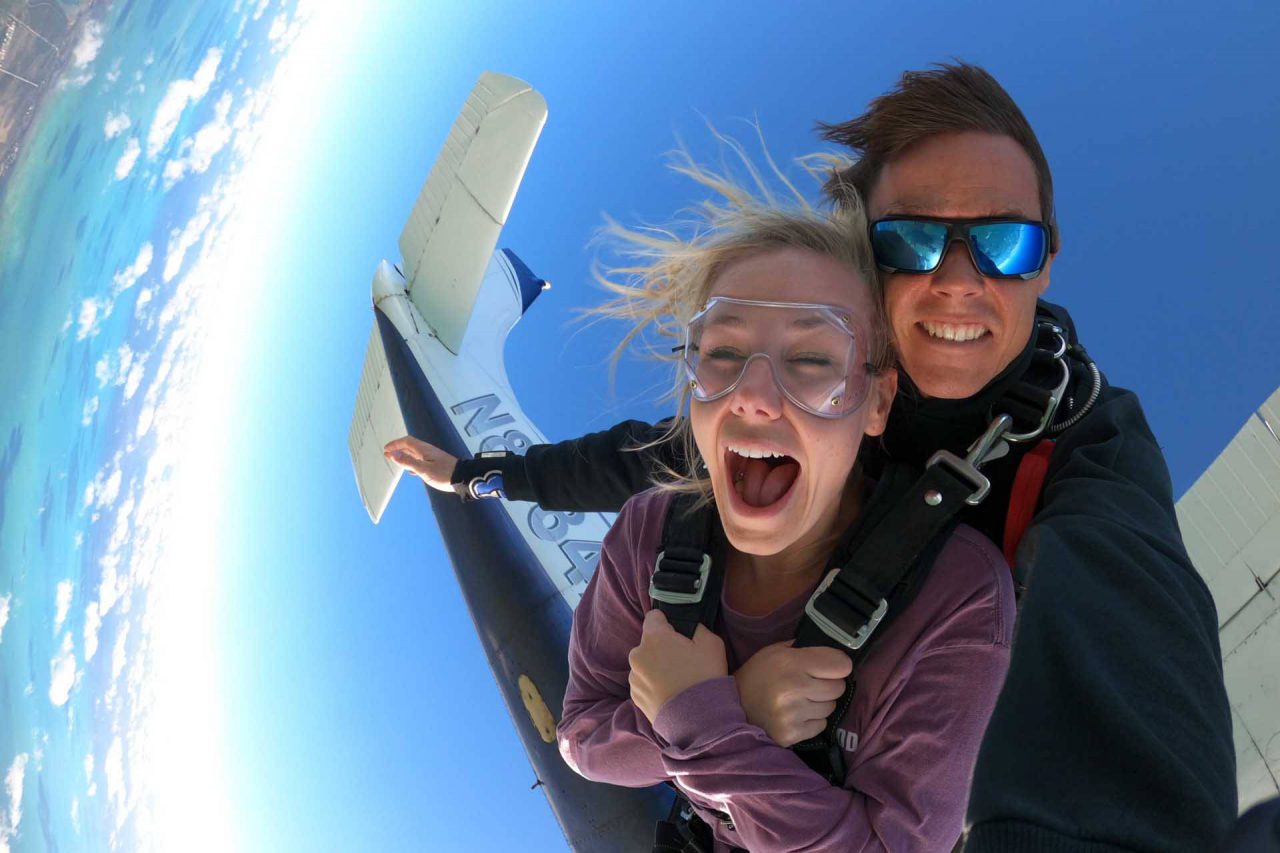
<point>464,203</point>
<point>377,420</point>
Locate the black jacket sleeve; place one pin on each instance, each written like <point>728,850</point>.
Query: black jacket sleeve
<point>594,473</point>
<point>1113,729</point>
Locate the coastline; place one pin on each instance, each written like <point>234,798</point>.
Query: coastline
<point>22,105</point>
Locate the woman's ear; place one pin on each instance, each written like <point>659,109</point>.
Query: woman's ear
<point>880,400</point>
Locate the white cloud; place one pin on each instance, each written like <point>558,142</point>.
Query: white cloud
<point>88,320</point>
<point>146,416</point>
<point>124,166</point>
<point>66,589</point>
<point>196,153</point>
<point>110,489</point>
<point>113,769</point>
<point>113,367</point>
<point>179,95</point>
<point>181,240</point>
<point>92,624</point>
<point>279,26</point>
<point>128,277</point>
<point>109,583</point>
<point>262,7</point>
<point>119,654</point>
<point>90,44</point>
<point>75,814</point>
<point>134,379</point>
<point>144,297</point>
<point>116,124</point>
<point>62,672</point>
<point>4,612</point>
<point>13,787</point>
<point>283,34</point>
<point>90,409</point>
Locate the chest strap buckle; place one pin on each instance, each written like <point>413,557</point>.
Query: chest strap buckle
<point>679,581</point>
<point>847,601</point>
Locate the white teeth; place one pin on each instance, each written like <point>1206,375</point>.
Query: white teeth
<point>754,454</point>
<point>950,332</point>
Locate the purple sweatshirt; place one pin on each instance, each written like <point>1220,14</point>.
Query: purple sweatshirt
<point>924,694</point>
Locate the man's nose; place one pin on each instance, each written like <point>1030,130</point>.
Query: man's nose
<point>956,275</point>
<point>757,393</point>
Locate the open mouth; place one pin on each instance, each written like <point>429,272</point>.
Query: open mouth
<point>761,478</point>
<point>956,333</point>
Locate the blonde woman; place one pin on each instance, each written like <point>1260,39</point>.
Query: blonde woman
<point>774,309</point>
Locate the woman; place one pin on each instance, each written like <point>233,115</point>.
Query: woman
<point>786,362</point>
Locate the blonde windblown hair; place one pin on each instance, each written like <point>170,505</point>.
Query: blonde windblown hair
<point>667,277</point>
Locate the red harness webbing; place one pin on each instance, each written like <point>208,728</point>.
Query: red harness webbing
<point>1025,497</point>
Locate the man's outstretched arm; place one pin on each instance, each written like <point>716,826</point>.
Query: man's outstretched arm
<point>1112,730</point>
<point>595,473</point>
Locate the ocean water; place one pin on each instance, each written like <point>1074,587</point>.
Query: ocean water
<point>120,185</point>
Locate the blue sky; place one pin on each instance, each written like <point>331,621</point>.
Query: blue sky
<point>353,665</point>
<point>357,709</point>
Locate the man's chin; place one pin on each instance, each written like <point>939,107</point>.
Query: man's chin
<point>949,383</point>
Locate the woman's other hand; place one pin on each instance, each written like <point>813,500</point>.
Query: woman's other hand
<point>790,692</point>
<point>432,464</point>
<point>667,663</point>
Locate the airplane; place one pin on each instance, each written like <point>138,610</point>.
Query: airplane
<point>434,369</point>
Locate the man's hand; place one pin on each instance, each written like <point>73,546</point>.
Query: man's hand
<point>790,692</point>
<point>666,662</point>
<point>432,464</point>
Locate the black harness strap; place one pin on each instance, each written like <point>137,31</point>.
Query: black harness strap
<point>686,581</point>
<point>884,566</point>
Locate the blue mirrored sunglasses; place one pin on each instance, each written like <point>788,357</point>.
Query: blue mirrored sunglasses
<point>1000,248</point>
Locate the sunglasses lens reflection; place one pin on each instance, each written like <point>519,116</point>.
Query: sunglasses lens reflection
<point>909,245</point>
<point>1008,248</point>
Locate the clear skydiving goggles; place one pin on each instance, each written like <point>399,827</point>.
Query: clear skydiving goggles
<point>819,361</point>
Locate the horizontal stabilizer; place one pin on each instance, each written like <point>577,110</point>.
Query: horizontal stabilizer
<point>464,203</point>
<point>377,420</point>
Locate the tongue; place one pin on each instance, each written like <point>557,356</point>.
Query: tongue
<point>763,484</point>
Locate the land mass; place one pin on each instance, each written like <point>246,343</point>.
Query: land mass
<point>37,43</point>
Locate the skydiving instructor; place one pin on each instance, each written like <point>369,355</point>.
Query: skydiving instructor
<point>1112,731</point>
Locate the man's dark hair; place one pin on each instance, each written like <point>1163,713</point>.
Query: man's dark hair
<point>948,98</point>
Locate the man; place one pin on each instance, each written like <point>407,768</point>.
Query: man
<point>1113,729</point>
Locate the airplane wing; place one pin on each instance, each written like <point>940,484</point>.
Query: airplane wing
<point>1230,520</point>
<point>464,203</point>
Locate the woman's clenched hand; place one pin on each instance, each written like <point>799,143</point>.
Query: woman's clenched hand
<point>666,662</point>
<point>790,692</point>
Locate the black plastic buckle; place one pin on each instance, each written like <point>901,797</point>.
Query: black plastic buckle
<point>832,627</point>
<point>679,581</point>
